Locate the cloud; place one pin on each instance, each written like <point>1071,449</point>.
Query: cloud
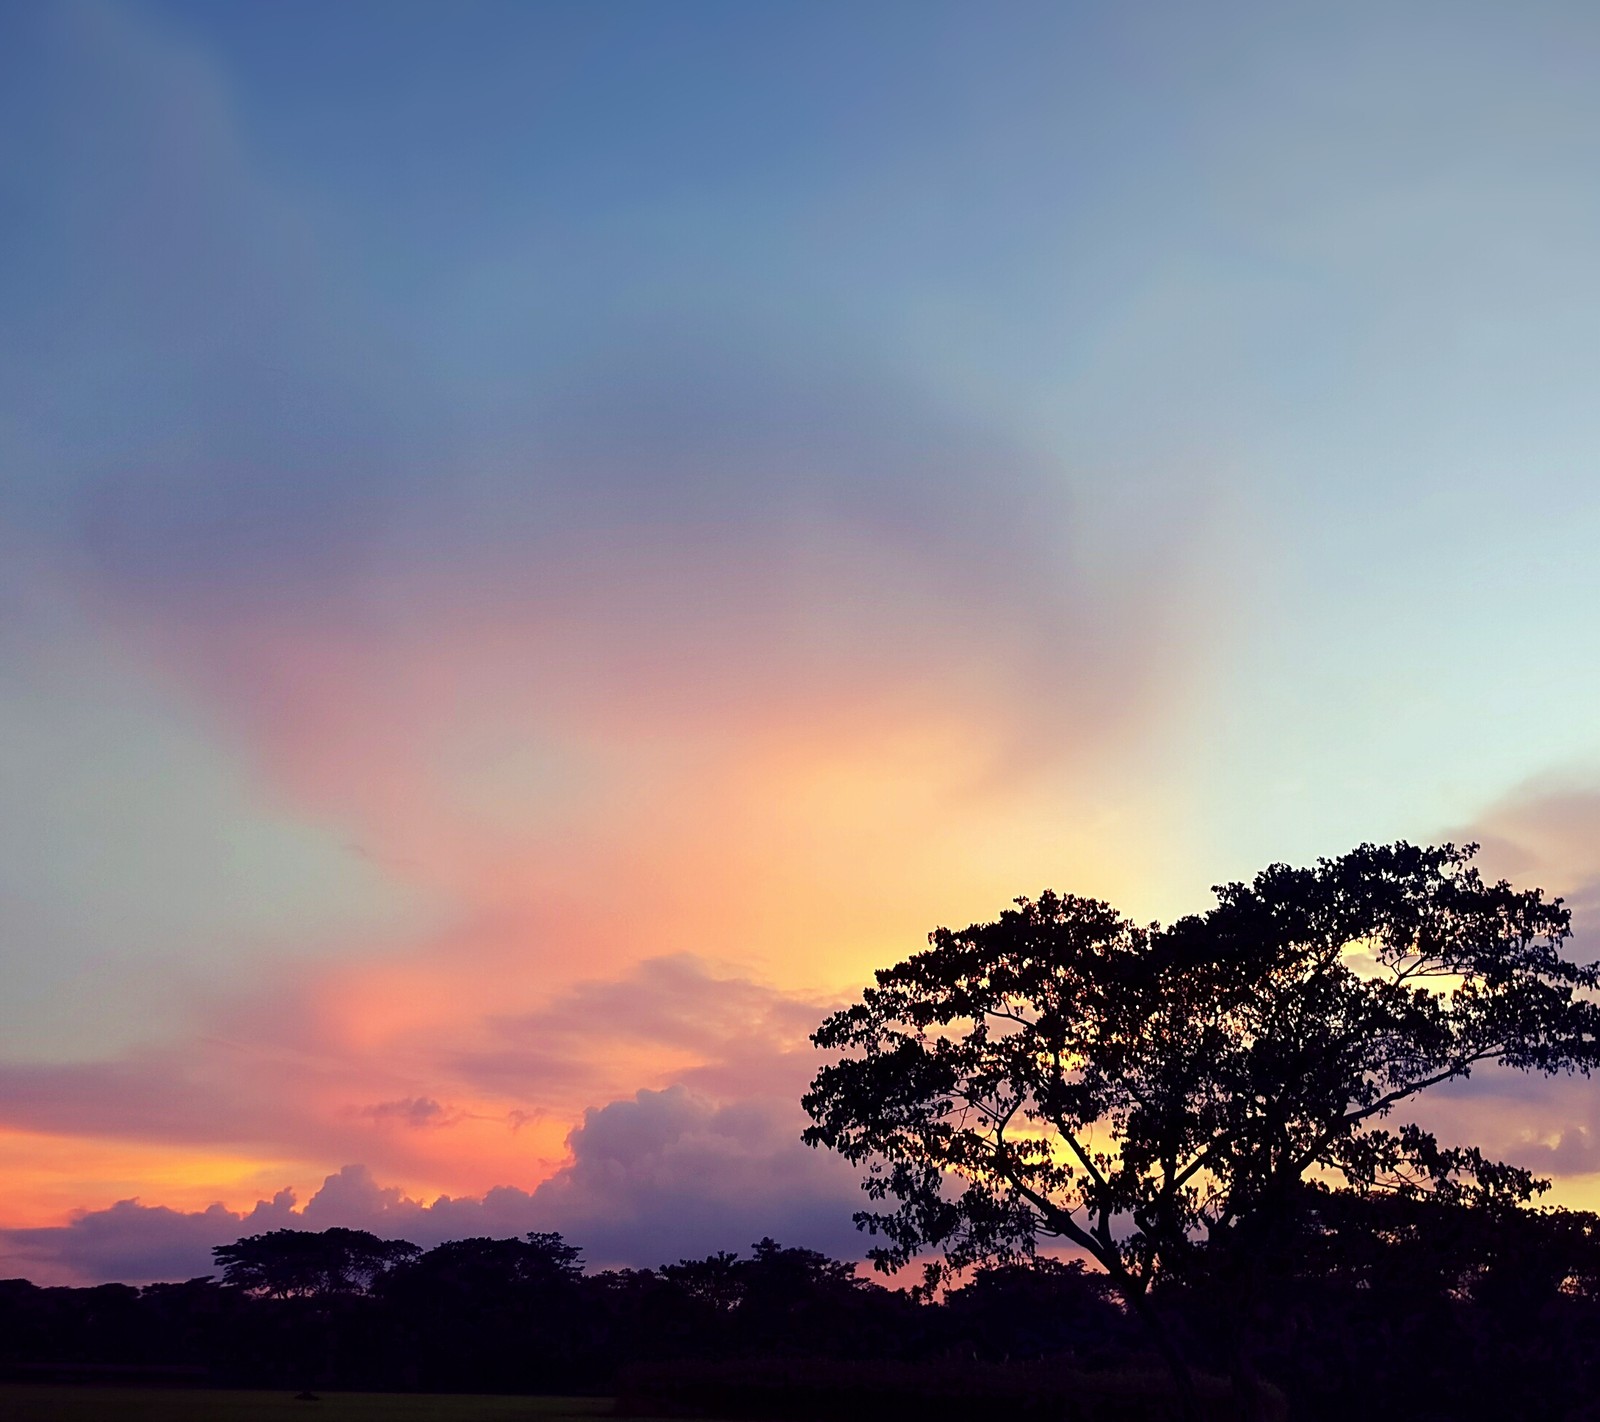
<point>666,1174</point>
<point>657,1177</point>
<point>683,636</point>
<point>271,1066</point>
<point>416,1112</point>
<point>492,1099</point>
<point>1545,833</point>
<point>134,1243</point>
<point>735,1034</point>
<point>671,518</point>
<point>679,642</point>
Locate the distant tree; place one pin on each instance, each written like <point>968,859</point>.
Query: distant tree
<point>784,1300</point>
<point>293,1263</point>
<point>717,1281</point>
<point>1158,1096</point>
<point>1045,1308</point>
<point>490,1313</point>
<point>538,1260</point>
<point>1413,1305</point>
<point>797,1300</point>
<point>773,1278</point>
<point>788,1270</point>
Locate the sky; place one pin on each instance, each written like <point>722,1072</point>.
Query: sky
<point>541,542</point>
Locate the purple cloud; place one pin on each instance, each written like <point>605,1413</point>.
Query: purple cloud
<point>658,1177</point>
<point>135,1243</point>
<point>1546,832</point>
<point>416,1112</point>
<point>748,1035</point>
<point>666,1174</point>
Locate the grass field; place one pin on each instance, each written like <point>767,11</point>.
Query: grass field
<point>41,1402</point>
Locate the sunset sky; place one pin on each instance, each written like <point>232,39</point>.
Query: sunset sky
<point>541,542</point>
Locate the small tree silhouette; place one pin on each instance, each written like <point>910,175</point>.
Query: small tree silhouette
<point>294,1263</point>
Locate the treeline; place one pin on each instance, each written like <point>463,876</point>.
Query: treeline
<point>1418,1308</point>
<point>343,1309</point>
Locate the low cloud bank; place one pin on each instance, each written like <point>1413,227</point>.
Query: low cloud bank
<point>653,1178</point>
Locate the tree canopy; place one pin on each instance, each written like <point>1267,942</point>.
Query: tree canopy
<point>294,1263</point>
<point>1148,1092</point>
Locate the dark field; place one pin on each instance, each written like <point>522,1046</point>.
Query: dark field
<point>35,1402</point>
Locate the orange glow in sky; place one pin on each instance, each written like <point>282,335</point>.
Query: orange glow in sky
<point>502,629</point>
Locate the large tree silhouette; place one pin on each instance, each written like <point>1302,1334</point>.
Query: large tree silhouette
<point>1159,1097</point>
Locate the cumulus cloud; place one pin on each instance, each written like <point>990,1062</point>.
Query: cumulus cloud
<point>709,1161</point>
<point>667,1174</point>
<point>705,1153</point>
<point>660,1176</point>
<point>135,1243</point>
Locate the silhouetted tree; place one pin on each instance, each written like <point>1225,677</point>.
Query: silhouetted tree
<point>1158,1096</point>
<point>1421,1306</point>
<point>1409,1304</point>
<point>1044,1309</point>
<point>491,1313</point>
<point>313,1288</point>
<point>294,1263</point>
<point>717,1282</point>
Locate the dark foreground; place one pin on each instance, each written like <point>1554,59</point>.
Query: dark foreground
<point>45,1402</point>
<point>1393,1308</point>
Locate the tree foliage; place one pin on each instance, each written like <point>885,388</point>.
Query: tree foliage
<point>295,1263</point>
<point>1144,1092</point>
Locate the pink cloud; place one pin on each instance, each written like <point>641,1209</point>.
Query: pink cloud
<point>657,1177</point>
<point>456,1111</point>
<point>1547,832</point>
<point>1544,833</point>
<point>681,643</point>
<point>668,1174</point>
<point>134,1243</point>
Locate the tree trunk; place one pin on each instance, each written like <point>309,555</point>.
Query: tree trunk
<point>1244,1288</point>
<point>1177,1366</point>
<point>1249,1396</point>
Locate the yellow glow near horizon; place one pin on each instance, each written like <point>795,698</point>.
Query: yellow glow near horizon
<point>51,1177</point>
